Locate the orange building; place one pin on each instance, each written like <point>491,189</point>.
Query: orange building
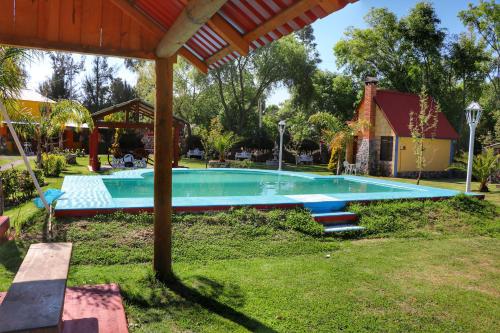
<point>33,102</point>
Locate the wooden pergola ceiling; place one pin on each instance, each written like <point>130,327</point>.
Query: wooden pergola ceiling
<point>208,33</point>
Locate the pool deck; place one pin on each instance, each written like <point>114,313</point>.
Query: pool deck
<point>87,195</point>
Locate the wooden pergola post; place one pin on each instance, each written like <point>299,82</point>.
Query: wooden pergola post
<point>164,147</point>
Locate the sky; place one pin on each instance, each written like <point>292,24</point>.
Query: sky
<point>327,31</point>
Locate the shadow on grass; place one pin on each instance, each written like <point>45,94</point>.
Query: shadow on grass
<point>204,293</point>
<point>10,256</point>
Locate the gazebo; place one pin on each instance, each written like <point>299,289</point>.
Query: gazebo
<point>133,114</point>
<point>208,33</point>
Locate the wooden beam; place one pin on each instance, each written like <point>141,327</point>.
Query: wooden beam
<point>229,34</point>
<point>281,18</point>
<point>194,60</point>
<point>163,146</point>
<point>43,44</point>
<point>193,17</point>
<point>138,16</point>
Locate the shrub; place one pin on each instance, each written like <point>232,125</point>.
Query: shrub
<point>18,186</point>
<point>245,164</point>
<point>53,164</point>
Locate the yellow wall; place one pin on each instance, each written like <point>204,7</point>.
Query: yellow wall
<point>436,154</point>
<point>382,127</point>
<point>33,107</point>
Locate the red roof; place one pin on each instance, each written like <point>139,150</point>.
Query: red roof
<point>243,15</point>
<point>397,107</point>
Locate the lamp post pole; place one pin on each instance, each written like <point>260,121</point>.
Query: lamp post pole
<point>281,127</point>
<point>473,114</point>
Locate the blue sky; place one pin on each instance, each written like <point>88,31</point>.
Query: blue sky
<point>328,31</point>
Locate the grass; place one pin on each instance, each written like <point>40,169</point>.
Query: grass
<point>245,270</point>
<point>420,266</point>
<point>7,159</point>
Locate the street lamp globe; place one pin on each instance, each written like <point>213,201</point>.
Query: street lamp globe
<point>473,114</point>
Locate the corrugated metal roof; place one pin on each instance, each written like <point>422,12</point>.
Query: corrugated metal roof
<point>243,15</point>
<point>397,107</point>
<point>31,95</point>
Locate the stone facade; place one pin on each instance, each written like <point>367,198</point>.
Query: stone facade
<point>365,161</point>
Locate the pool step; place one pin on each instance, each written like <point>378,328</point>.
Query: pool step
<point>334,217</point>
<point>342,228</point>
<point>325,206</point>
<point>337,221</point>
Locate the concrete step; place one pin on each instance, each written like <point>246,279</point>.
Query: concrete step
<point>334,217</point>
<point>342,228</point>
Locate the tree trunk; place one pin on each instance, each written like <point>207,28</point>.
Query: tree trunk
<point>61,143</point>
<point>418,176</point>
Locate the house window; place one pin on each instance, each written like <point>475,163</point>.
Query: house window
<point>386,148</point>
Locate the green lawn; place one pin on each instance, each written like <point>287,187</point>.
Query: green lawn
<point>6,159</point>
<point>419,267</point>
<point>247,270</point>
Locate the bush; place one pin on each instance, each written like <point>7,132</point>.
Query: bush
<point>18,186</point>
<point>53,164</point>
<point>245,164</point>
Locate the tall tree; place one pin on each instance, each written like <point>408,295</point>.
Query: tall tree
<point>469,63</point>
<point>61,84</point>
<point>421,30</point>
<point>484,18</point>
<point>379,50</point>
<point>244,81</point>
<point>335,94</point>
<point>96,85</point>
<point>121,91</point>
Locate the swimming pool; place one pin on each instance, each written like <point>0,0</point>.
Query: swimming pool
<point>206,189</point>
<point>228,183</point>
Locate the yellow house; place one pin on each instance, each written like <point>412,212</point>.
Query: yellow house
<point>31,101</point>
<point>386,147</point>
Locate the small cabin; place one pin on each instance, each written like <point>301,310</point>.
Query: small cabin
<point>386,147</point>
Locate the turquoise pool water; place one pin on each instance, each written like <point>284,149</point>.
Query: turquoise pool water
<point>235,183</point>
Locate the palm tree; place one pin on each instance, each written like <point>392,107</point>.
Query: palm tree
<point>484,166</point>
<point>222,142</point>
<point>67,111</point>
<point>12,78</point>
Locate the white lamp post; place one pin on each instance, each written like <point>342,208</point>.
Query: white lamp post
<point>281,127</point>
<point>473,114</point>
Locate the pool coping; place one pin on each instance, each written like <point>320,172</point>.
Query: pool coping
<point>88,196</point>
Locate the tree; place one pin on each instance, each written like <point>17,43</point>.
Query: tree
<point>484,166</point>
<point>379,50</point>
<point>468,61</point>
<point>96,85</point>
<point>12,75</point>
<point>420,29</point>
<point>484,18</point>
<point>61,84</point>
<point>335,94</point>
<point>220,140</point>
<point>242,82</point>
<point>422,125</point>
<point>68,111</point>
<point>121,91</point>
